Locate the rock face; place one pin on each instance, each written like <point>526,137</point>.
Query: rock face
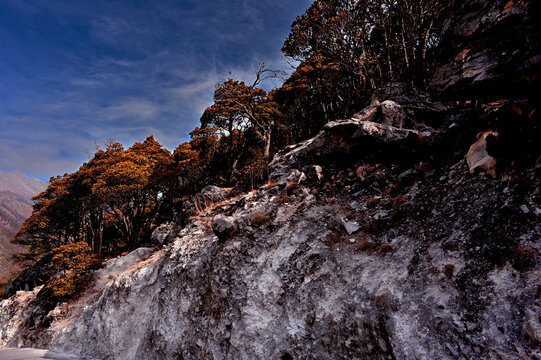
<point>12,314</point>
<point>18,314</point>
<point>419,281</point>
<point>403,106</point>
<point>400,260</point>
<point>490,49</point>
<point>345,139</point>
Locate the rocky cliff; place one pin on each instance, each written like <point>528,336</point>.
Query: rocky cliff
<point>405,263</point>
<point>490,50</point>
<point>376,239</point>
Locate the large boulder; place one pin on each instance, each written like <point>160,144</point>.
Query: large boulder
<point>165,232</point>
<point>403,106</point>
<point>478,157</point>
<point>209,195</point>
<point>214,193</point>
<point>224,227</point>
<point>489,48</point>
<point>346,139</point>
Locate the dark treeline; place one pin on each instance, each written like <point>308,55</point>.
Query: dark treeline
<point>343,49</point>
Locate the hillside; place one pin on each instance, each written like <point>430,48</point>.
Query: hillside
<point>16,192</point>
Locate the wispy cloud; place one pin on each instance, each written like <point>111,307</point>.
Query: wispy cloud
<point>76,73</point>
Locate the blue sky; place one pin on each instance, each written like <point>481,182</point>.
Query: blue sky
<point>74,73</point>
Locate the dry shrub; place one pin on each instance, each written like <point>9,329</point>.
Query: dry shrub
<point>332,238</point>
<point>260,220</point>
<point>449,270</point>
<point>373,202</point>
<point>392,190</point>
<point>525,258</point>
<point>385,249</point>
<point>292,188</point>
<point>368,246</point>
<point>398,200</point>
<point>270,185</point>
<point>283,199</point>
<point>371,226</point>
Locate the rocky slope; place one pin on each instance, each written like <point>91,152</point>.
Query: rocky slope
<point>443,265</point>
<point>371,243</point>
<point>375,240</point>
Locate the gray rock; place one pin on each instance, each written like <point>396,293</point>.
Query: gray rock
<point>224,227</point>
<point>214,193</point>
<point>524,209</point>
<point>348,138</point>
<point>162,232</point>
<point>392,234</point>
<point>292,176</point>
<point>402,106</point>
<point>351,227</point>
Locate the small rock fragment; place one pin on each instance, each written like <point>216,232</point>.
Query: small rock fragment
<point>314,172</point>
<point>350,227</point>
<point>478,156</point>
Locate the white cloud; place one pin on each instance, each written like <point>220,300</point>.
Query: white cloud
<point>136,109</point>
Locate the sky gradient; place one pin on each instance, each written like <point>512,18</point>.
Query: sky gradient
<point>74,73</point>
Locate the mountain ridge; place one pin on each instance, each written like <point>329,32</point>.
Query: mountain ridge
<point>19,183</point>
<point>16,193</point>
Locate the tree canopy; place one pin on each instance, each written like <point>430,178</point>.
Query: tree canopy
<point>118,192</point>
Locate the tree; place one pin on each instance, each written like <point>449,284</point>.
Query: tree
<point>394,35</point>
<point>244,118</point>
<point>132,188</point>
<point>75,262</point>
<point>118,190</point>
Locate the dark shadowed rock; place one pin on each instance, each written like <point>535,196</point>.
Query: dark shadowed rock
<point>165,232</point>
<point>314,172</point>
<point>341,140</point>
<point>224,227</point>
<point>34,276</point>
<point>490,48</point>
<point>403,106</point>
<point>214,193</point>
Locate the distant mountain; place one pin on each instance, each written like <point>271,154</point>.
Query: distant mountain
<point>19,183</point>
<point>14,209</point>
<point>16,192</point>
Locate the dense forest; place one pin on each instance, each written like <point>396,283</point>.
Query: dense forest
<point>342,50</point>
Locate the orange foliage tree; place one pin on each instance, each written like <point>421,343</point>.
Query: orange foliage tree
<point>75,263</point>
<point>125,186</point>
